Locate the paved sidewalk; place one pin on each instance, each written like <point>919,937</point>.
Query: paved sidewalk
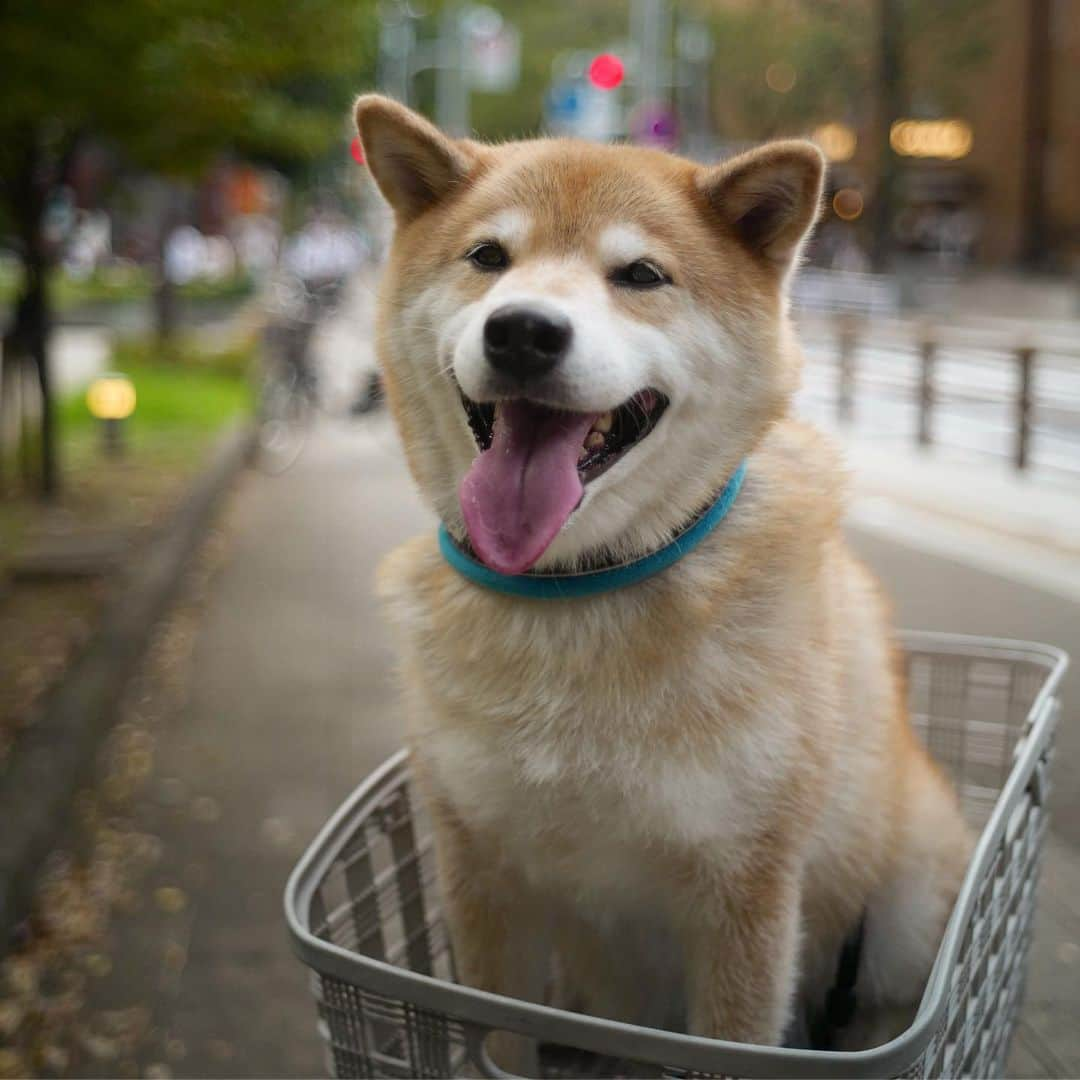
<point>292,704</point>
<point>989,493</point>
<point>289,703</point>
<point>1019,526</point>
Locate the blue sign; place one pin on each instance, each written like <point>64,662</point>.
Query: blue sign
<point>562,103</point>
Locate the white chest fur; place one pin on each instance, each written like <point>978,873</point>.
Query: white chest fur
<point>582,741</point>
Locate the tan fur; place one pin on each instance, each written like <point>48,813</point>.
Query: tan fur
<point>687,791</point>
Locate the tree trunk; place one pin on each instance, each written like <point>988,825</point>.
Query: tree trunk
<point>38,339</point>
<point>28,341</point>
<point>28,336</point>
<point>18,359</point>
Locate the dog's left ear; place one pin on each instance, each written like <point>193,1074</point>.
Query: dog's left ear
<point>768,198</point>
<point>412,161</point>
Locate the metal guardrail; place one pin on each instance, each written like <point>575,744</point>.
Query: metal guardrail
<point>1015,388</point>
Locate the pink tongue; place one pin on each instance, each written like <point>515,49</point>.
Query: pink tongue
<point>519,492</point>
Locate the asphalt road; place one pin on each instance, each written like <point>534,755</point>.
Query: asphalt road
<point>934,593</point>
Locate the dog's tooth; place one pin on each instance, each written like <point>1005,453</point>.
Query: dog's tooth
<point>603,423</point>
<point>594,440</point>
<point>583,454</point>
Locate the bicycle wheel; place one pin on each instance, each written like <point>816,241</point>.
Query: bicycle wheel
<point>283,419</point>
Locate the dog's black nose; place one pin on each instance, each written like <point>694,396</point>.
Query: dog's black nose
<point>525,341</point>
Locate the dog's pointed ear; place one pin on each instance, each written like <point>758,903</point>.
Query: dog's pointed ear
<point>414,164</point>
<point>768,198</point>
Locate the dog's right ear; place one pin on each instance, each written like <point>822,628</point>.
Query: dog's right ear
<point>769,197</point>
<point>412,161</point>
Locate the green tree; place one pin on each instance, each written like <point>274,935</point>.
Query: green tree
<point>171,83</point>
<point>781,66</point>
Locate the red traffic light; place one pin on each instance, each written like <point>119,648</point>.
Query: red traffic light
<point>606,71</point>
<point>357,151</point>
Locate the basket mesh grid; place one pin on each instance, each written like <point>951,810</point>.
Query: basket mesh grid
<point>380,899</point>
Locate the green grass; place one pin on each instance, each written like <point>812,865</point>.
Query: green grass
<point>122,285</point>
<point>194,393</point>
<point>181,405</point>
<point>170,401</point>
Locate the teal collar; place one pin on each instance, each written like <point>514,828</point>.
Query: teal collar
<point>539,586</point>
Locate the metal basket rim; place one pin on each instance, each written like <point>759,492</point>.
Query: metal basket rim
<point>688,1051</point>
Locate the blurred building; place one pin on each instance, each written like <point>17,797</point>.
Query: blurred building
<point>1005,187</point>
<point>1026,150</point>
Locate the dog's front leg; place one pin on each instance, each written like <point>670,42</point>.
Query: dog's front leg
<point>498,930</point>
<point>741,941</point>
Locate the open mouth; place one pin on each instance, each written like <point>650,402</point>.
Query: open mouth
<point>533,465</point>
<point>611,435</point>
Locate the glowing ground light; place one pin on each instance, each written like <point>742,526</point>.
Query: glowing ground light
<point>606,71</point>
<point>847,204</point>
<point>111,397</point>
<point>948,139</point>
<point>357,150</point>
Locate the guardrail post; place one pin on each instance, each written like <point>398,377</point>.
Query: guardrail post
<point>928,356</point>
<point>1025,357</point>
<point>845,371</point>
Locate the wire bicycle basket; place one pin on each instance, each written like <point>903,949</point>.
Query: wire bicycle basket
<point>364,912</point>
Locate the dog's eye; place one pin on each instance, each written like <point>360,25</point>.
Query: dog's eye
<point>640,274</point>
<point>488,256</point>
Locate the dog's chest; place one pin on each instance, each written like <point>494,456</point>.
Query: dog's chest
<point>584,740</point>
<point>580,772</point>
<point>567,825</point>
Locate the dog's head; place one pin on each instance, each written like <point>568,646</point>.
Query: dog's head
<point>580,341</point>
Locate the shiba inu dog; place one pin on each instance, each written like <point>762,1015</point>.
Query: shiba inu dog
<point>669,802</point>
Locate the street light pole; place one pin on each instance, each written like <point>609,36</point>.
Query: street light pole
<point>694,48</point>
<point>650,30</point>
<point>397,44</point>
<point>401,58</point>
<point>452,91</point>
